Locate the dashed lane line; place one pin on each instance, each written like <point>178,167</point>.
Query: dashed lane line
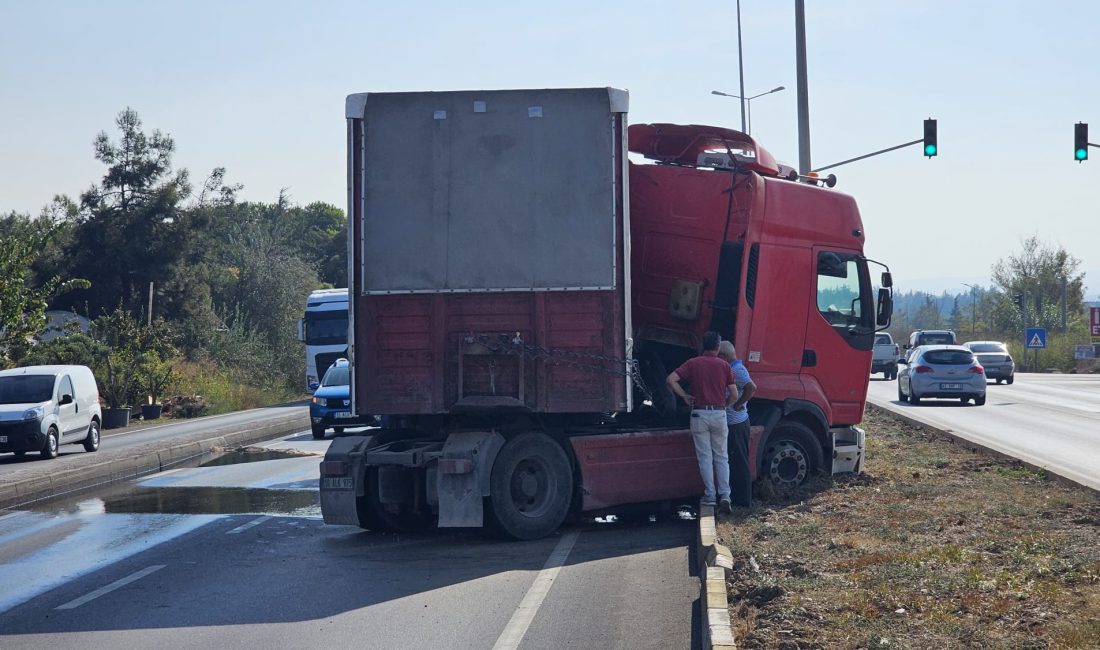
<point>73,604</point>
<point>521,620</point>
<point>243,527</point>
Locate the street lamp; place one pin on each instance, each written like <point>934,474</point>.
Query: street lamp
<point>748,101</point>
<point>973,307</point>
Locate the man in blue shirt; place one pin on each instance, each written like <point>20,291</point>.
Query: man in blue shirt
<point>737,419</point>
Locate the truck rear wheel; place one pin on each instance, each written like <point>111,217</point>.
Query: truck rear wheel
<point>791,454</point>
<point>530,488</point>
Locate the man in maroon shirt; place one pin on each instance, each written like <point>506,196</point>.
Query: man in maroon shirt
<point>713,388</point>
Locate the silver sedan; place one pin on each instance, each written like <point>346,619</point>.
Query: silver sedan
<point>941,371</point>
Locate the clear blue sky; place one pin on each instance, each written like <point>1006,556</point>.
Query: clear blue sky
<point>258,87</point>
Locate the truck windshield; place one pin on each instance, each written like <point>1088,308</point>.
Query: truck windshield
<point>326,328</point>
<point>26,389</point>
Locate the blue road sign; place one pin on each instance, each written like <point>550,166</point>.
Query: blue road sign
<point>1036,338</point>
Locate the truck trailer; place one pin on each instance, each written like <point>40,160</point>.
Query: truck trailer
<point>525,269</point>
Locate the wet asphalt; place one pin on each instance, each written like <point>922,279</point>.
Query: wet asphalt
<point>234,554</point>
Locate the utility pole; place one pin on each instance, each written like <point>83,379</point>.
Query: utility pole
<point>149,316</point>
<point>741,67</point>
<point>804,165</point>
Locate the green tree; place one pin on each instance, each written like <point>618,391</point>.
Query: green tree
<point>928,316</point>
<point>22,304</point>
<point>131,230</point>
<point>1038,270</point>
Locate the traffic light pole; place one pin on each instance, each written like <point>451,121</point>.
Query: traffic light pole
<point>875,153</point>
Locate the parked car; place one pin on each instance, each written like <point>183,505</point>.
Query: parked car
<point>44,407</point>
<point>994,357</point>
<point>931,337</point>
<point>884,357</point>
<point>331,403</point>
<point>942,371</point>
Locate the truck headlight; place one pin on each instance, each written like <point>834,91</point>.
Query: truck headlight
<point>320,401</point>
<point>35,413</point>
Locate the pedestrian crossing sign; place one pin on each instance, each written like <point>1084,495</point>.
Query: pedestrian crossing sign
<point>1036,338</point>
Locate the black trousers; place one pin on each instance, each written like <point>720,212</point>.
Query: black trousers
<point>740,484</point>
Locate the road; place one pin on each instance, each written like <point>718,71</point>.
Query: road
<point>235,555</point>
<point>1048,420</point>
<point>73,455</point>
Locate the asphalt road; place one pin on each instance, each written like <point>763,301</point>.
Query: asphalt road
<point>236,556</point>
<point>1052,421</point>
<point>73,455</point>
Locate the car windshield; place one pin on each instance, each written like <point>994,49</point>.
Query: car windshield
<point>948,357</point>
<point>335,377</point>
<point>937,339</point>
<point>882,339</point>
<point>26,389</point>
<point>988,347</point>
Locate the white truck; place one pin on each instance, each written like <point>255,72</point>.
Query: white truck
<point>324,330</point>
<point>885,356</point>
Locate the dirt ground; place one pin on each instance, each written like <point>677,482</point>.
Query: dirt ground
<point>933,546</point>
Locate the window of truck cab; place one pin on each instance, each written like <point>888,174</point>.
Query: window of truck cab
<point>844,291</point>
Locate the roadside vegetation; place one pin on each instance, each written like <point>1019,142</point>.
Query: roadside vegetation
<point>190,292</point>
<point>933,546</point>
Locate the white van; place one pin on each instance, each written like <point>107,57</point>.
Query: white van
<point>43,407</point>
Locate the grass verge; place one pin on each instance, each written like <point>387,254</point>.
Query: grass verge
<point>933,546</point>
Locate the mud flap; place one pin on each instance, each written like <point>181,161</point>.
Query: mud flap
<point>342,479</point>
<point>462,477</point>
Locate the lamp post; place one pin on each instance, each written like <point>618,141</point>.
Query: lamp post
<point>748,102</point>
<point>973,308</point>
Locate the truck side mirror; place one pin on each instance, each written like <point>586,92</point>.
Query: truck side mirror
<point>885,307</point>
<point>887,279</point>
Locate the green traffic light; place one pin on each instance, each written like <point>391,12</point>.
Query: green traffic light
<point>1082,154</point>
<point>930,150</point>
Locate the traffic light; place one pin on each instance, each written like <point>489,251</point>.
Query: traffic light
<point>1080,141</point>
<point>930,146</point>
<point>1019,300</point>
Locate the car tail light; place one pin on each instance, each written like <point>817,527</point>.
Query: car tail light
<point>897,350</point>
<point>923,369</point>
<point>977,370</point>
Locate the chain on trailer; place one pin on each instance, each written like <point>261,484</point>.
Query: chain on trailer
<point>503,343</point>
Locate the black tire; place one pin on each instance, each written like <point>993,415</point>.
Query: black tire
<point>791,455</point>
<point>91,443</point>
<point>979,401</point>
<point>398,518</point>
<point>530,489</point>
<point>913,397</point>
<point>318,431</point>
<point>901,395</point>
<point>999,380</point>
<point>1010,379</point>
<point>49,447</point>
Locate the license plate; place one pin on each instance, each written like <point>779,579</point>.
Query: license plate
<point>3,439</point>
<point>337,483</point>
<point>950,386</point>
<point>344,415</point>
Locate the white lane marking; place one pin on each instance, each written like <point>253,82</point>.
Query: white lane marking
<point>243,527</point>
<point>73,604</point>
<point>529,606</point>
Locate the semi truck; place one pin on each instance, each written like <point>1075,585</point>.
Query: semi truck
<point>324,330</point>
<point>526,268</point>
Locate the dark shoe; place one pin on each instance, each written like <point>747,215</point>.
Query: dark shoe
<point>724,507</point>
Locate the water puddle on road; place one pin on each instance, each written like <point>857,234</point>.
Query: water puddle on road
<point>215,501</point>
<point>250,455</point>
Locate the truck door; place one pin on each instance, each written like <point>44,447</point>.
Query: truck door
<point>840,335</point>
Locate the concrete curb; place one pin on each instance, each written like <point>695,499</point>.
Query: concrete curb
<point>714,561</point>
<point>112,466</point>
<point>980,448</point>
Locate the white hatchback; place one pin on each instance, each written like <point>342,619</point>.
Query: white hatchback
<point>44,407</point>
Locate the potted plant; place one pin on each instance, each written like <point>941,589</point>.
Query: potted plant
<point>157,373</point>
<point>129,347</point>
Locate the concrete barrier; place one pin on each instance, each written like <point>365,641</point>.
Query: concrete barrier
<point>714,561</point>
<point>43,480</point>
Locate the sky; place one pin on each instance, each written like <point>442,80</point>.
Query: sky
<point>259,87</point>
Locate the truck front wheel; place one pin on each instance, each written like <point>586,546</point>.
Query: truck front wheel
<point>530,488</point>
<point>791,454</point>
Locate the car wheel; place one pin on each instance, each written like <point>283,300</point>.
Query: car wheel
<point>49,448</point>
<point>318,431</point>
<point>901,395</point>
<point>913,399</point>
<point>999,380</point>
<point>1010,378</point>
<point>979,401</point>
<point>91,443</point>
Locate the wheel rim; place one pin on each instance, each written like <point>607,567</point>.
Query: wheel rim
<point>789,464</point>
<point>51,440</point>
<point>94,435</point>
<point>531,487</point>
